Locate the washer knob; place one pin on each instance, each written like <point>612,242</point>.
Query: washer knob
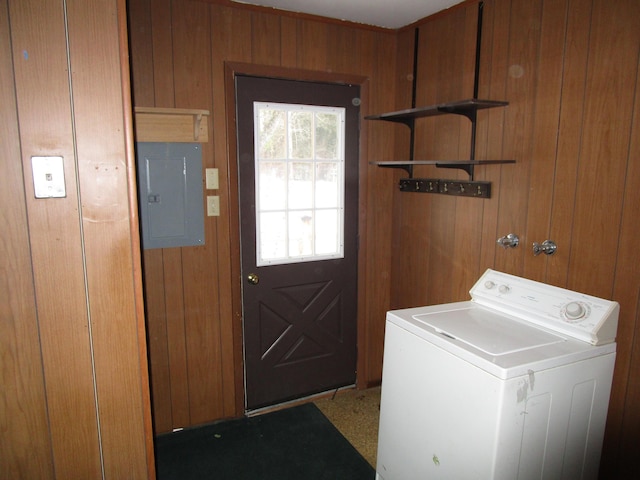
<point>489,284</point>
<point>574,310</point>
<point>504,288</point>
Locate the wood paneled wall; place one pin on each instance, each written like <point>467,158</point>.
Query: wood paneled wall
<point>179,52</point>
<point>74,397</point>
<point>569,70</point>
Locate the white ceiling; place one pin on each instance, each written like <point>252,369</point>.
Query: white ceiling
<point>381,13</point>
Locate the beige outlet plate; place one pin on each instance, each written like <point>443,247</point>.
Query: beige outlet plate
<point>212,179</point>
<point>213,206</point>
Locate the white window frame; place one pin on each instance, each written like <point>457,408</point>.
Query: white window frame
<point>340,161</point>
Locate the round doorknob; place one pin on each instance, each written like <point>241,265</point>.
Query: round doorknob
<point>253,279</point>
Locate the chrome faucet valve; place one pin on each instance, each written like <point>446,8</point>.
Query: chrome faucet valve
<point>508,241</point>
<point>548,247</point>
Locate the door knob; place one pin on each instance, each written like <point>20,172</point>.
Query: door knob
<point>253,278</point>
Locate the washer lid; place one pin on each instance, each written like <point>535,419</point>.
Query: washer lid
<point>490,333</point>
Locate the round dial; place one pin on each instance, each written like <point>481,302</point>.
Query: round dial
<point>575,311</point>
<point>504,288</point>
<point>489,284</point>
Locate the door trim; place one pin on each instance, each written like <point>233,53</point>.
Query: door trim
<point>231,70</point>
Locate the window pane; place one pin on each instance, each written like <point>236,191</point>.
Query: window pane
<point>273,185</point>
<point>327,185</point>
<point>301,185</point>
<point>301,134</point>
<point>300,233</point>
<point>272,134</point>
<point>273,227</point>
<point>327,138</point>
<point>327,228</point>
<point>299,182</point>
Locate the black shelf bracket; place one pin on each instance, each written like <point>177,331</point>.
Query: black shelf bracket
<point>467,108</point>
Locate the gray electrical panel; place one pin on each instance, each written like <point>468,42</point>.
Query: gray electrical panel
<point>170,194</point>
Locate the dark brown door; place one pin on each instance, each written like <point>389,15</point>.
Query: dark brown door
<point>298,169</point>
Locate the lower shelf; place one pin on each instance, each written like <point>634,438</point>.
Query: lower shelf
<point>446,187</point>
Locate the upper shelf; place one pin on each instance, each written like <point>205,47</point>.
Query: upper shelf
<point>466,165</point>
<point>171,125</point>
<point>468,108</point>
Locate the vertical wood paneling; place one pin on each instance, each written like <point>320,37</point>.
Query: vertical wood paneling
<point>468,213</point>
<point>623,424</point>
<point>342,51</point>
<point>225,22</point>
<point>406,225</point>
<point>173,347</point>
<point>39,47</point>
<point>84,364</point>
<point>446,59</point>
<point>193,89</point>
<point>157,335</point>
<point>376,185</point>
<point>142,57</point>
<point>102,173</point>
<point>441,56</point>
<point>162,35</point>
<point>26,446</point>
<point>288,42</point>
<point>569,136</point>
<point>621,441</point>
<point>265,39</point>
<point>153,85</point>
<point>545,132</point>
<point>312,53</point>
<point>524,41</point>
<point>609,99</point>
<point>492,85</point>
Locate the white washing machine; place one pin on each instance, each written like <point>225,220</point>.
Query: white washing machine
<point>513,384</point>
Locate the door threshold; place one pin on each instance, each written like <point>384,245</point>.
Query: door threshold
<point>298,401</point>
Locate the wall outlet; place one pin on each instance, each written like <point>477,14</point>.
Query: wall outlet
<point>213,206</point>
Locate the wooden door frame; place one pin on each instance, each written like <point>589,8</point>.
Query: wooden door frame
<point>231,70</point>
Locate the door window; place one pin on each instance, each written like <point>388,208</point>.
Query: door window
<point>299,162</point>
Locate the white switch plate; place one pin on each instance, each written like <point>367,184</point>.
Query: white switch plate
<point>213,206</point>
<point>212,179</point>
<point>48,177</point>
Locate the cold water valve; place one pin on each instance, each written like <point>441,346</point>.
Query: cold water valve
<point>548,247</point>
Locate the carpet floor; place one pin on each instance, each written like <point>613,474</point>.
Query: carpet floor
<point>294,443</point>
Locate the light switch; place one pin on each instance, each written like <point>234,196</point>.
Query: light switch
<point>212,179</point>
<point>213,206</point>
<point>48,177</point>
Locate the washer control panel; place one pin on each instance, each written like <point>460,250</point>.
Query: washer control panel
<point>574,314</point>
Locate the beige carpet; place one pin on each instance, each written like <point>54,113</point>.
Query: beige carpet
<point>355,413</point>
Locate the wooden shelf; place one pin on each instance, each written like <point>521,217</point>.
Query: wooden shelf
<point>440,163</point>
<point>466,165</point>
<point>171,125</point>
<point>468,108</point>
